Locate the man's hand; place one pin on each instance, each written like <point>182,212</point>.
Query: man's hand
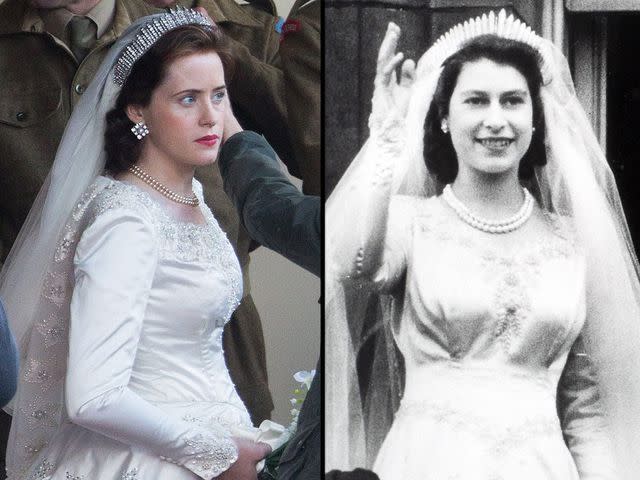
<point>231,125</point>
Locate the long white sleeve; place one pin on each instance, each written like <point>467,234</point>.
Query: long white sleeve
<point>114,270</point>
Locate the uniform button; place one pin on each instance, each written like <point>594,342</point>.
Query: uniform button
<point>79,89</point>
<point>21,116</point>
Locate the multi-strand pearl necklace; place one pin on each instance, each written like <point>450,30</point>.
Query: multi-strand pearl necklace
<point>190,200</point>
<point>490,226</point>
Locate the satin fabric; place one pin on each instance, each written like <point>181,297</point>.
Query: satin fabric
<point>497,383</point>
<point>148,394</point>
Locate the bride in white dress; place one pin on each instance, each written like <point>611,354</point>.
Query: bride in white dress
<point>120,295</point>
<point>509,345</point>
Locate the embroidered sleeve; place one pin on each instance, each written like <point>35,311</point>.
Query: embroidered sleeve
<point>208,457</point>
<point>114,267</point>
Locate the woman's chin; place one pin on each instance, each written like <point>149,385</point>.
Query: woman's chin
<point>496,168</point>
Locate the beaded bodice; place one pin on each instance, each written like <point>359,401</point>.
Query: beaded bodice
<point>467,299</point>
<point>196,288</point>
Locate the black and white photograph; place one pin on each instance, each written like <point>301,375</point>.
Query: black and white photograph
<point>482,296</point>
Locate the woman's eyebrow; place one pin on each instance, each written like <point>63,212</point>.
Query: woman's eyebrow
<point>196,90</point>
<point>520,92</point>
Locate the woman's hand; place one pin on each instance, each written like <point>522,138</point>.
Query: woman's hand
<point>249,455</point>
<point>390,97</point>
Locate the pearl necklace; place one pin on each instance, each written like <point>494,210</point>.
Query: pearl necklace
<point>490,226</point>
<point>190,200</point>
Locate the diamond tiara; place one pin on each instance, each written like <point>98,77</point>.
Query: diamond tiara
<point>150,33</point>
<point>488,24</point>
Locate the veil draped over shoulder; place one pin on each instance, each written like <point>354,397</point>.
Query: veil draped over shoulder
<point>37,278</point>
<point>576,182</point>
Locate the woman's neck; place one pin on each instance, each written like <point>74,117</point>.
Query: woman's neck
<point>490,196</point>
<point>176,177</point>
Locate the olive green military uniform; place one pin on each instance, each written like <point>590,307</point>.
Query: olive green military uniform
<point>300,51</point>
<point>40,83</point>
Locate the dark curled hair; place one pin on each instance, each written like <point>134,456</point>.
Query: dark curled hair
<point>439,153</point>
<point>121,146</point>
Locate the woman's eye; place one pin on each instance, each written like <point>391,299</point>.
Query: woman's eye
<point>188,100</point>
<point>218,97</point>
<point>513,101</point>
<point>475,101</point>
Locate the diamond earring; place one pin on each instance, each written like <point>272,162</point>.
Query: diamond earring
<point>444,126</point>
<point>140,130</point>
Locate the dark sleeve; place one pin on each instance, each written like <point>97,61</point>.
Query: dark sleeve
<point>8,361</point>
<point>272,209</point>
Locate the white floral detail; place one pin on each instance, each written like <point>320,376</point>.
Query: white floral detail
<point>187,242</point>
<point>304,377</point>
<point>512,273</point>
<point>56,287</point>
<point>70,235</point>
<point>224,420</point>
<point>66,244</point>
<point>434,220</point>
<point>43,470</point>
<point>130,475</point>
<point>512,307</point>
<point>210,457</point>
<point>41,414</point>
<point>72,476</point>
<point>495,437</point>
<point>33,447</point>
<point>53,329</point>
<point>41,410</point>
<point>42,374</point>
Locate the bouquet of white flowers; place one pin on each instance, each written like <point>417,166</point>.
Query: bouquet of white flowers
<point>304,378</point>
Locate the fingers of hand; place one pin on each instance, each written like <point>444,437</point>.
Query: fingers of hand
<point>386,75</point>
<point>389,44</point>
<point>265,449</point>
<point>408,73</point>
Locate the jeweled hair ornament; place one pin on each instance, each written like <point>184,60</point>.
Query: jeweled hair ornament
<point>501,25</point>
<point>150,33</point>
<point>488,24</point>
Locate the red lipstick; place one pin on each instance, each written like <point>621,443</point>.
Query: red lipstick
<point>208,140</point>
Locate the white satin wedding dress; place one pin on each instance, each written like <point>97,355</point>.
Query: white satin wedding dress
<point>497,384</point>
<point>148,395</point>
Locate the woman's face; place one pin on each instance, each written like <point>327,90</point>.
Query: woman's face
<point>186,112</point>
<point>490,118</point>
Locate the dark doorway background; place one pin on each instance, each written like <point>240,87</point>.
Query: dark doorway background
<point>623,113</point>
